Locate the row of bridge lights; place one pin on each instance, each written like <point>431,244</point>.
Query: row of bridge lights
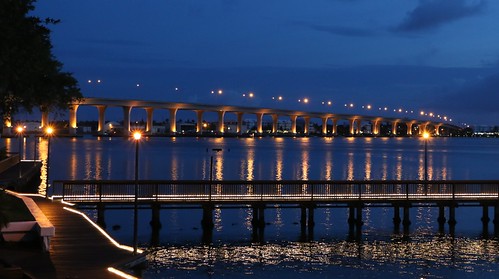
<point>348,105</point>
<point>326,103</point>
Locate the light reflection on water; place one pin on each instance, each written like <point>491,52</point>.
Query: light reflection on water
<point>424,255</point>
<point>439,257</point>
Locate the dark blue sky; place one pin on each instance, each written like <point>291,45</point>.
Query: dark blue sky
<point>439,56</point>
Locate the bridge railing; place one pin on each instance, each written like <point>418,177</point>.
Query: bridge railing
<point>268,190</point>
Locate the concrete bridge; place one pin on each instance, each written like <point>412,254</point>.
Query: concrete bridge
<point>414,126</point>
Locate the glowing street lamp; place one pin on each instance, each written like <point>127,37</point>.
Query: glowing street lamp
<point>19,131</point>
<point>136,137</point>
<point>426,136</point>
<point>49,132</point>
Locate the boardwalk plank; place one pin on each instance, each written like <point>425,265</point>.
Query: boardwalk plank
<point>77,250</point>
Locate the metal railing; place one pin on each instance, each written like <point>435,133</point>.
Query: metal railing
<point>178,191</point>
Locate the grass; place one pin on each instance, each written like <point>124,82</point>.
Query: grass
<point>13,209</point>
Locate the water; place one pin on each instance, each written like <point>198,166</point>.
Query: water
<point>330,251</point>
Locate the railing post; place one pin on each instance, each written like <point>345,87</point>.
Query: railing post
<point>64,190</point>
<point>261,191</point>
<point>312,193</point>
<point>156,190</point>
<point>211,186</point>
<point>99,188</point>
<point>407,191</point>
<point>360,190</point>
<point>453,191</point>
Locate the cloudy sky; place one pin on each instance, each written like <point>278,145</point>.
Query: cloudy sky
<point>439,56</point>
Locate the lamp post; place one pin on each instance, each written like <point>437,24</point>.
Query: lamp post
<point>49,132</point>
<point>211,169</point>
<point>19,131</point>
<point>136,137</point>
<point>426,136</point>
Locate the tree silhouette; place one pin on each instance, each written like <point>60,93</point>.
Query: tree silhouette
<point>30,76</point>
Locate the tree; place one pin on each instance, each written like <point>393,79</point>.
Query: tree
<point>30,76</point>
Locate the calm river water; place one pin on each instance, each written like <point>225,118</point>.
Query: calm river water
<point>330,252</point>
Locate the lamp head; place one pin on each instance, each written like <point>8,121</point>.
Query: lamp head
<point>426,135</point>
<point>49,131</point>
<point>137,135</point>
<point>19,129</point>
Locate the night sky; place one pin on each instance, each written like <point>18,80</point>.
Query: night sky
<point>439,56</point>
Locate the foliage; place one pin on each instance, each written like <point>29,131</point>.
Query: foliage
<point>30,76</point>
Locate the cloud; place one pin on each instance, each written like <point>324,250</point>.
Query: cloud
<point>338,30</point>
<point>431,14</point>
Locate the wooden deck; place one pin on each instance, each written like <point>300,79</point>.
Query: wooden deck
<point>78,249</point>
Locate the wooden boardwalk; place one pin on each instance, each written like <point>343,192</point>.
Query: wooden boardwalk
<point>78,249</point>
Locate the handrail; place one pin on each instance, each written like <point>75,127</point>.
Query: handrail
<point>271,190</point>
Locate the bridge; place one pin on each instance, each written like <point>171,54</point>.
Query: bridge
<point>411,126</point>
<point>303,194</point>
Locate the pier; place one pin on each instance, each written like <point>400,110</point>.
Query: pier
<point>78,250</point>
<point>401,196</point>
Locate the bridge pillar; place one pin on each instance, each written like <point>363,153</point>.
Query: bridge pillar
<point>173,121</point>
<point>394,128</point>
<point>199,126</point>
<point>155,216</point>
<point>437,129</point>
<point>155,223</point>
<point>258,220</point>
<point>422,128</point>
<point>485,218</point>
<point>406,221</point>
<point>441,218</point>
<point>258,223</point>
<point>102,113</point>
<point>303,217</point>
<point>496,219</point>
<point>72,119</point>
<point>311,220</point>
<point>275,127</point>
<point>126,120</point>
<point>359,126</point>
<point>307,124</point>
<point>220,126</point>
<point>355,220</point>
<point>207,221</point>
<point>452,219</point>
<point>149,112</point>
<point>352,126</point>
<point>409,128</point>
<point>358,220</point>
<point>376,127</point>
<point>45,119</point>
<point>259,124</point>
<point>293,123</point>
<point>324,126</point>
<point>239,128</point>
<point>7,125</point>
<point>335,127</point>
<point>396,216</point>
